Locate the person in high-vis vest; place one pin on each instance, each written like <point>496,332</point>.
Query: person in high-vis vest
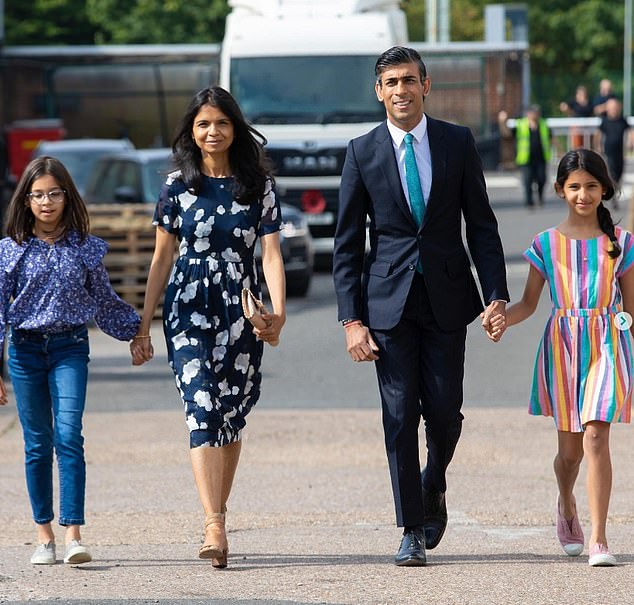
<point>533,150</point>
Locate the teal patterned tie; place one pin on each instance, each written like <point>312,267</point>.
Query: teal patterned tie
<point>414,188</point>
<point>416,198</point>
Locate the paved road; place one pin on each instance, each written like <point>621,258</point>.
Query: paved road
<point>310,517</point>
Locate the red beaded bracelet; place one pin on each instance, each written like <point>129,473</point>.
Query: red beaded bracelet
<point>354,322</point>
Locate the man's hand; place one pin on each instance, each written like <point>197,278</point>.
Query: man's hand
<point>494,320</point>
<point>360,344</point>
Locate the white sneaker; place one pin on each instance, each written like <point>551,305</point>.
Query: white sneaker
<point>76,553</point>
<point>44,554</point>
<point>600,556</point>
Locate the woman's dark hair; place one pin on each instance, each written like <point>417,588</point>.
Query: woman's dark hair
<point>246,153</point>
<point>397,55</point>
<point>592,162</point>
<point>20,219</point>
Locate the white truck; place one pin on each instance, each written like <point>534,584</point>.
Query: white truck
<point>303,73</point>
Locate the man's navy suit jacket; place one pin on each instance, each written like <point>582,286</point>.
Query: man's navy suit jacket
<point>374,288</point>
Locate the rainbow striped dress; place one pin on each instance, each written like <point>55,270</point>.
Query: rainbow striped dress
<point>583,369</point>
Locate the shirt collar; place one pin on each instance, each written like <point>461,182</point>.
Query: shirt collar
<point>70,237</point>
<point>419,131</point>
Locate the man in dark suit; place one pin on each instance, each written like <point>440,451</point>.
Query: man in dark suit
<point>407,304</point>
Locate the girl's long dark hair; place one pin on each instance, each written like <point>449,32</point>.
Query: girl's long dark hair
<point>20,219</point>
<point>246,154</point>
<point>592,162</point>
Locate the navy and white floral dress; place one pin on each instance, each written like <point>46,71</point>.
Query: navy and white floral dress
<point>211,347</point>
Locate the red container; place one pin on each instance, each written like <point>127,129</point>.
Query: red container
<point>22,138</point>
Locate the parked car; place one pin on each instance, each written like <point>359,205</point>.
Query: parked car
<point>133,177</point>
<point>136,177</point>
<point>80,155</point>
<point>297,251</point>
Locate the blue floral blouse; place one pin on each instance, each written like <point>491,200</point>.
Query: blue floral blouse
<point>52,288</point>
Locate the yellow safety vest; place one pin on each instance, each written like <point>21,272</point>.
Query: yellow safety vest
<point>523,138</point>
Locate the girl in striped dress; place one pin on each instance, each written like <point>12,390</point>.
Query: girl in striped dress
<point>583,370</point>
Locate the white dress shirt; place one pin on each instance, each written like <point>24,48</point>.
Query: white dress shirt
<point>421,152</point>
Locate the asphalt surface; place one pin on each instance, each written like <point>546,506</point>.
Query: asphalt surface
<point>311,516</point>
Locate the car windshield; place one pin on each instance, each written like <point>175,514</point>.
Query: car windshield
<point>295,90</point>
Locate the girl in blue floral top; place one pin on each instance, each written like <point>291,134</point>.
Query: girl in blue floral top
<point>53,281</point>
<point>219,202</point>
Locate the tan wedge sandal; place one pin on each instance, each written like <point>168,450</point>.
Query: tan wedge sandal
<point>215,546</point>
<point>221,562</point>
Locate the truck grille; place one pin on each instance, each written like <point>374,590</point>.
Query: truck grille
<point>313,162</point>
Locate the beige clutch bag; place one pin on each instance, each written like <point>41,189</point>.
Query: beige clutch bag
<point>253,308</point>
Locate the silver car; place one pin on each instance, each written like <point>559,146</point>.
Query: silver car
<point>80,155</point>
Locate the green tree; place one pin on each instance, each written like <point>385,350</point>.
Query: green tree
<point>585,37</point>
<point>415,13</point>
<point>158,21</point>
<point>570,43</point>
<point>50,22</point>
<point>574,43</point>
<point>46,22</point>
<point>466,19</point>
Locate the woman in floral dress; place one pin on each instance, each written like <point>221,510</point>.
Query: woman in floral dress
<point>216,205</point>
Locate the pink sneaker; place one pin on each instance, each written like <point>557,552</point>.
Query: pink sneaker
<point>600,556</point>
<point>570,534</point>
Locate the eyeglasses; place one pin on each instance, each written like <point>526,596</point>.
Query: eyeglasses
<point>55,196</point>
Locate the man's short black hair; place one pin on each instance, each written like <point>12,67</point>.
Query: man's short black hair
<point>397,55</point>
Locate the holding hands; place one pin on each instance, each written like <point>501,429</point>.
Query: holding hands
<point>494,320</point>
<point>141,349</point>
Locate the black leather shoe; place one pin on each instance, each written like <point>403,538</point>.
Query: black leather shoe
<point>435,519</point>
<point>411,552</point>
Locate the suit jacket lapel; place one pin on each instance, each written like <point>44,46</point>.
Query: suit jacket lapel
<point>387,163</point>
<point>438,150</point>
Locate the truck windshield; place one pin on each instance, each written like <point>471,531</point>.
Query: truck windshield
<point>309,89</point>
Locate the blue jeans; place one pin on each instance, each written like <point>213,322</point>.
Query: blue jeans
<point>49,373</point>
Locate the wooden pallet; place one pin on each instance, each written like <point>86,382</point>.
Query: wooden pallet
<point>128,230</point>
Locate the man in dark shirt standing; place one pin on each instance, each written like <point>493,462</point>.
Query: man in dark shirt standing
<point>579,107</point>
<point>605,94</point>
<point>611,131</point>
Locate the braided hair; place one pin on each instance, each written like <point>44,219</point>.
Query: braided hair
<point>592,162</point>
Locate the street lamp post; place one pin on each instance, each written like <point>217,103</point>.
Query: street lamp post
<point>437,17</point>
